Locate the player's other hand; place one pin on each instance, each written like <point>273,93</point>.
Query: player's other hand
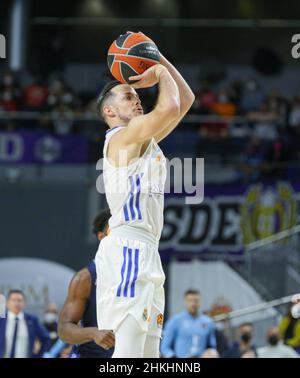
<point>148,78</point>
<point>105,339</point>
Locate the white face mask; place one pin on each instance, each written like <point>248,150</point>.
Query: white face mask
<point>50,317</point>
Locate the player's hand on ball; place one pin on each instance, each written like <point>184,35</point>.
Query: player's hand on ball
<point>149,78</point>
<point>106,339</point>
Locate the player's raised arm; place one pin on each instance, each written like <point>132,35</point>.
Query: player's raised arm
<point>142,128</point>
<point>186,96</point>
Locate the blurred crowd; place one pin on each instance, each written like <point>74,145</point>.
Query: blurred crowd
<point>240,124</point>
<point>191,333</point>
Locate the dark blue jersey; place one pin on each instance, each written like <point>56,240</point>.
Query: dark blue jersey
<point>89,319</point>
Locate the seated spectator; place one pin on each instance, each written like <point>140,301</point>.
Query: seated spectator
<point>10,94</point>
<point>252,96</point>
<point>278,104</point>
<point>204,99</point>
<point>289,328</point>
<point>51,321</point>
<point>35,95</point>
<point>223,106</point>
<point>265,123</point>
<point>294,117</point>
<point>62,120</point>
<point>242,348</point>
<point>275,347</point>
<point>189,333</point>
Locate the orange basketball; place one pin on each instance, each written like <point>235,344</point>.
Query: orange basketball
<point>131,54</point>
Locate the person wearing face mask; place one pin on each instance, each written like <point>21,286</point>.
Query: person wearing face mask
<point>289,328</point>
<point>243,347</point>
<point>275,347</point>
<point>51,320</point>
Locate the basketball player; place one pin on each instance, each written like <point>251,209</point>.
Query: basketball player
<point>130,293</point>
<point>80,305</point>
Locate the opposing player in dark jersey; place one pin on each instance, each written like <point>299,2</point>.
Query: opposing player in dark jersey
<point>80,306</point>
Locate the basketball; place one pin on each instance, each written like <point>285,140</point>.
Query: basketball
<point>131,54</point>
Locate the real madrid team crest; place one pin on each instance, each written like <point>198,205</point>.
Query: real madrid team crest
<point>145,314</point>
<point>267,210</point>
<point>160,320</point>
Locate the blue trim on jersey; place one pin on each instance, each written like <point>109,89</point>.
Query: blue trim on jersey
<point>133,203</point>
<point>125,212</point>
<point>128,271</point>
<point>137,204</point>
<point>132,212</point>
<point>136,271</point>
<point>122,271</point>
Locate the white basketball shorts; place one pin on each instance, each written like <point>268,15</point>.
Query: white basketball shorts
<point>130,280</point>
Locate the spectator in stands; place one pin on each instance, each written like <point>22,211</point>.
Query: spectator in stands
<point>62,120</point>
<point>205,98</point>
<point>223,106</point>
<point>189,333</point>
<point>242,348</point>
<point>51,322</point>
<point>294,117</point>
<point>289,328</point>
<point>20,330</point>
<point>252,96</point>
<point>264,123</point>
<point>275,347</point>
<point>10,94</point>
<point>278,104</point>
<point>222,342</point>
<point>35,95</point>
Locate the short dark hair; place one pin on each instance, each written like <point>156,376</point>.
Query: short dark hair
<point>15,291</point>
<point>191,291</point>
<point>101,221</point>
<point>104,95</point>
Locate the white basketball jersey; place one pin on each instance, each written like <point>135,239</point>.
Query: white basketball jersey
<point>135,194</point>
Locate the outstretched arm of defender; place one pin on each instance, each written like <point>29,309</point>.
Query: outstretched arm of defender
<point>72,312</point>
<point>142,128</point>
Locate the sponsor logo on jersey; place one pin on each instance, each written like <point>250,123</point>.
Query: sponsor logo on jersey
<point>145,314</point>
<point>160,320</point>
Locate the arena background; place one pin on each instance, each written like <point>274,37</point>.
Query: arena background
<point>240,247</point>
